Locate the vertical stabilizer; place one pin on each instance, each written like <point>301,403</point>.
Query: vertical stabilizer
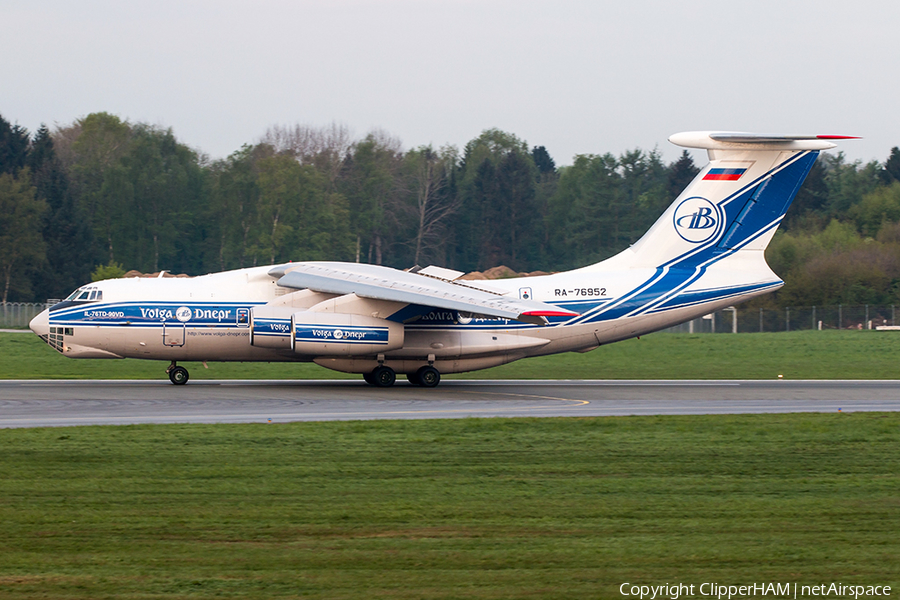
<point>735,203</point>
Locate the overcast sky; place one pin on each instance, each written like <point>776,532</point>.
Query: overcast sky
<point>577,77</point>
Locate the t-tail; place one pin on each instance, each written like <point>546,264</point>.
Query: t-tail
<point>736,202</point>
<point>707,249</point>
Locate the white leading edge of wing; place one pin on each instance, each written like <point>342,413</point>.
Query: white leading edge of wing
<point>384,283</point>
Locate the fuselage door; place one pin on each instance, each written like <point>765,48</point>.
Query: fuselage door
<point>173,333</point>
<point>243,317</point>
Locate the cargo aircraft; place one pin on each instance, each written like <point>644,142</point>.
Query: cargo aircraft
<point>705,252</point>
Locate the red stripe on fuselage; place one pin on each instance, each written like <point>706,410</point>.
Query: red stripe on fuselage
<point>550,313</point>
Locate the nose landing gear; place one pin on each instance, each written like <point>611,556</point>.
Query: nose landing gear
<point>177,375</point>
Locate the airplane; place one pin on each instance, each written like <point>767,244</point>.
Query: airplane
<point>705,252</point>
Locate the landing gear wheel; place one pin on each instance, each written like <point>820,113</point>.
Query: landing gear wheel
<point>178,375</point>
<point>428,376</point>
<point>369,379</point>
<point>384,376</point>
<point>413,378</point>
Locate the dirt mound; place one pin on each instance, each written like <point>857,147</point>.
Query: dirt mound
<point>135,273</point>
<point>501,272</point>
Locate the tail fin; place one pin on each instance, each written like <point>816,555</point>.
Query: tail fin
<point>735,203</point>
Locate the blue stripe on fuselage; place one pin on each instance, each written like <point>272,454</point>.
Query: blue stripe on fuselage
<point>151,314</point>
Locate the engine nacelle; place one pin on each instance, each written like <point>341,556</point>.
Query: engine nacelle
<point>270,326</point>
<point>341,334</point>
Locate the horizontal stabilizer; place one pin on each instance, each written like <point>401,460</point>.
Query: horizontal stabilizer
<point>730,140</point>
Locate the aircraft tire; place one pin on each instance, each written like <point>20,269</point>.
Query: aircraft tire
<point>413,378</point>
<point>384,376</point>
<point>179,375</point>
<point>428,376</point>
<point>369,379</point>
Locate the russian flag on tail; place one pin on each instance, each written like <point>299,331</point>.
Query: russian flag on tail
<point>724,174</point>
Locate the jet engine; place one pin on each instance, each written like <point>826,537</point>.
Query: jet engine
<point>270,326</point>
<point>343,334</point>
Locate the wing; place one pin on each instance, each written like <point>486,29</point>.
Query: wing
<point>384,283</point>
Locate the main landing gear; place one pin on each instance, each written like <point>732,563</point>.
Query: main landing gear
<point>427,376</point>
<point>177,375</point>
<point>383,376</point>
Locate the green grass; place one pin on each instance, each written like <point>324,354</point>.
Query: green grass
<point>796,355</point>
<point>474,508</point>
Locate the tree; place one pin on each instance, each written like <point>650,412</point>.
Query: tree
<point>279,189</point>
<point>876,209</point>
<point>428,176</point>
<point>847,182</point>
<point>604,203</point>
<point>497,187</point>
<point>322,147</point>
<point>233,199</point>
<point>65,229</point>
<point>545,187</point>
<point>13,147</point>
<point>680,174</point>
<point>297,218</point>
<point>370,184</point>
<point>98,142</point>
<point>140,190</point>
<point>111,270</point>
<point>582,212</point>
<point>644,196</point>
<point>515,212</point>
<point>810,205</point>
<point>891,170</point>
<point>542,160</point>
<point>166,189</point>
<point>21,243</point>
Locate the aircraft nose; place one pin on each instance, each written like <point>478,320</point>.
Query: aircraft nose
<point>41,324</point>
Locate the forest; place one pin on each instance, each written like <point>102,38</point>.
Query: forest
<point>102,196</point>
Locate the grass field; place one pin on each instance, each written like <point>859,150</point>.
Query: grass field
<point>475,508</point>
<point>796,355</point>
<point>471,508</point>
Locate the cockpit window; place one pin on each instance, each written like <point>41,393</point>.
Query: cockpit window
<point>85,294</point>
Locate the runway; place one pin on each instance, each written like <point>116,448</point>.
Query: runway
<point>65,403</point>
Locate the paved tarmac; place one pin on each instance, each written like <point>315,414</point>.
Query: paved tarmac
<point>63,403</point>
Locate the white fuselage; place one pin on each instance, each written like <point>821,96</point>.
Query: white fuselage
<point>208,318</point>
